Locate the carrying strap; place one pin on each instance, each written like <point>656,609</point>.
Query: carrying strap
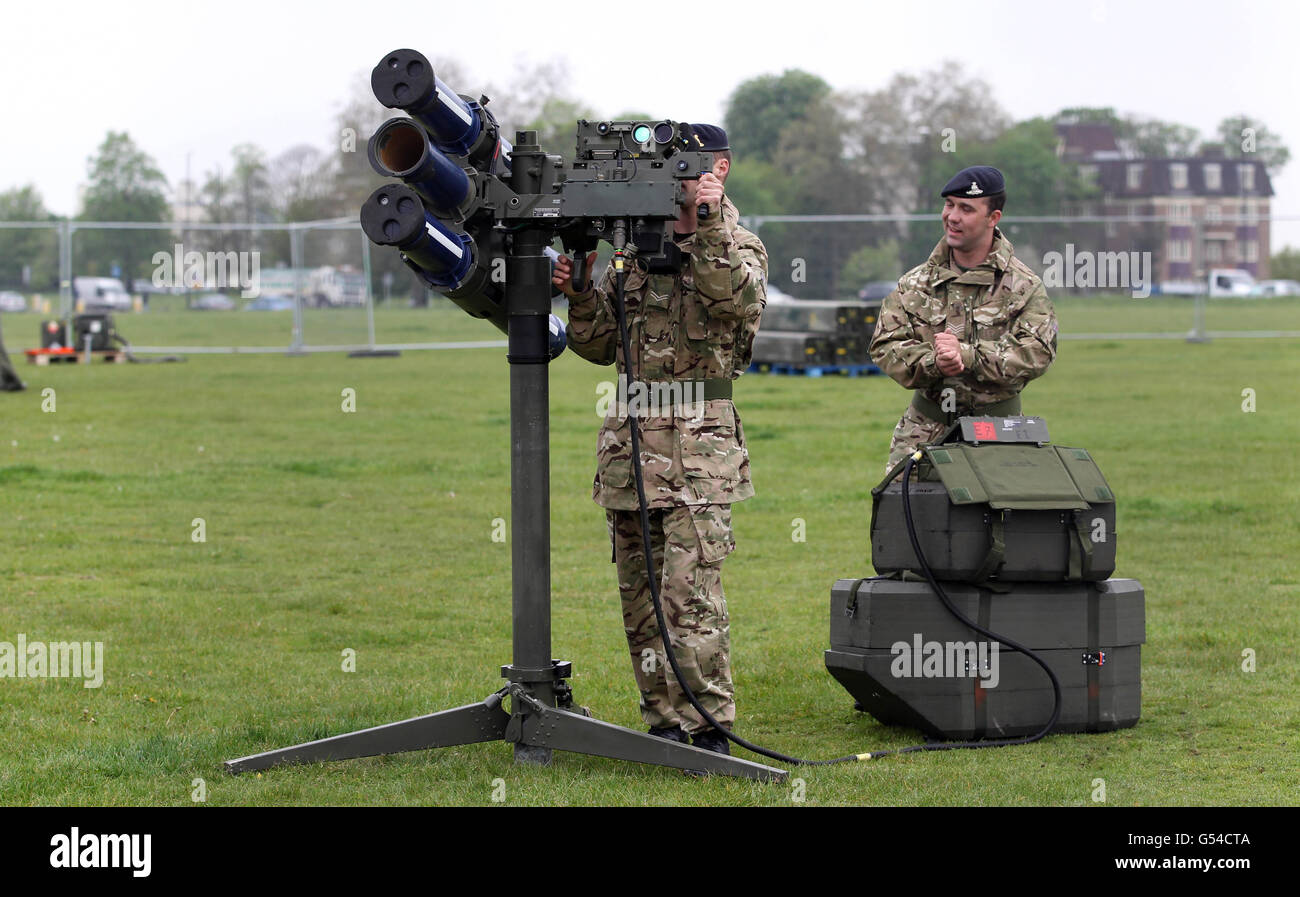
<point>1094,659</point>
<point>981,696</point>
<point>997,548</point>
<point>851,606</point>
<point>1081,563</point>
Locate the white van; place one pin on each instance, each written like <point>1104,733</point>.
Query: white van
<point>100,293</point>
<point>1233,283</point>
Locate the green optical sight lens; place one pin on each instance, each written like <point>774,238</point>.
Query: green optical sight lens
<point>641,133</point>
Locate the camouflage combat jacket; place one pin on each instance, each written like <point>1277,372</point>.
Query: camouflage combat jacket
<point>695,325</point>
<point>999,312</point>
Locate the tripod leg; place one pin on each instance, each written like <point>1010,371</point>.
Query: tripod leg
<point>470,724</point>
<point>547,727</point>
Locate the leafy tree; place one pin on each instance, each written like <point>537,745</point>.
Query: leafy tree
<point>36,250</point>
<point>872,263</point>
<point>1152,138</point>
<point>760,110</point>
<point>900,135</point>
<point>1248,138</point>
<point>125,185</point>
<point>1285,265</point>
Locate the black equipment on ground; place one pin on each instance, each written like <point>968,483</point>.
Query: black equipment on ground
<point>52,334</point>
<point>98,326</point>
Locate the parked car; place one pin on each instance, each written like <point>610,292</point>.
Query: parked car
<point>10,301</point>
<point>877,290</point>
<point>213,302</point>
<point>270,303</point>
<point>1279,288</point>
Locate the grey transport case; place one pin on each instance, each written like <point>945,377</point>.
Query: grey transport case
<point>909,662</point>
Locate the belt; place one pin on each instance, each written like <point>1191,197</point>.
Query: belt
<point>712,388</point>
<point>931,409</point>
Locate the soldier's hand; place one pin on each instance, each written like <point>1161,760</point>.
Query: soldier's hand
<point>947,354</point>
<point>562,276</point>
<point>709,192</point>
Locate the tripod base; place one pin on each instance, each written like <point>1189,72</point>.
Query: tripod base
<point>535,729</point>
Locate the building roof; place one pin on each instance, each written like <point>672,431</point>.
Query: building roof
<point>1087,141</point>
<point>1112,177</point>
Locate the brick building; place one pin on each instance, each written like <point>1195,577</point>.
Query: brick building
<point>1200,196</point>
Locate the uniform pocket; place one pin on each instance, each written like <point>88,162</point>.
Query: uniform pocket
<point>712,458</point>
<point>713,528</point>
<point>614,453</point>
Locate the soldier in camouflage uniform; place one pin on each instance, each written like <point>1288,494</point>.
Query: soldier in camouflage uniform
<point>969,327</point>
<point>692,334</point>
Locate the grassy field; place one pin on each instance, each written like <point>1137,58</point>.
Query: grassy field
<point>372,531</point>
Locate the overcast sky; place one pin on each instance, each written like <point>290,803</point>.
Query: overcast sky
<point>196,79</point>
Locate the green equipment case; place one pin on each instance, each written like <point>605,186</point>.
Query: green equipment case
<point>1011,512</point>
<point>908,661</point>
<point>797,348</point>
<point>822,316</point>
<point>849,348</point>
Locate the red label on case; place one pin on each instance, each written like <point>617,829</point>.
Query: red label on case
<point>984,430</point>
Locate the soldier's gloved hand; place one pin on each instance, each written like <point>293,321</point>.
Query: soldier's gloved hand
<point>709,191</point>
<point>947,354</point>
<point>562,276</point>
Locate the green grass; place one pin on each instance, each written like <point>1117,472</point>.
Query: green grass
<point>372,531</point>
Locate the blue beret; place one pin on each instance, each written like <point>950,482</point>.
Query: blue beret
<point>708,139</point>
<point>978,180</point>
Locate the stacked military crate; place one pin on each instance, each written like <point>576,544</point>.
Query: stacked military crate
<point>805,335</point>
<point>1020,535</point>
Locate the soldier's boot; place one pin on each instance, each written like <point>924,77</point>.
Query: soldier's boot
<point>671,733</point>
<point>712,740</point>
<point>709,740</point>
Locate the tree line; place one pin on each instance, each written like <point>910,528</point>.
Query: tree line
<point>800,147</point>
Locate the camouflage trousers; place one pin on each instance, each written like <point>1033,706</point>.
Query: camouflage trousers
<point>912,432</point>
<point>689,544</point>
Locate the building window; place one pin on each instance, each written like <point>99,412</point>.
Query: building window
<point>1178,176</point>
<point>1135,176</point>
<point>1247,174</point>
<point>1212,212</point>
<point>1088,174</point>
<point>1252,251</point>
<point>1180,250</point>
<point>1214,251</point>
<point>1213,176</point>
<point>1180,211</point>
